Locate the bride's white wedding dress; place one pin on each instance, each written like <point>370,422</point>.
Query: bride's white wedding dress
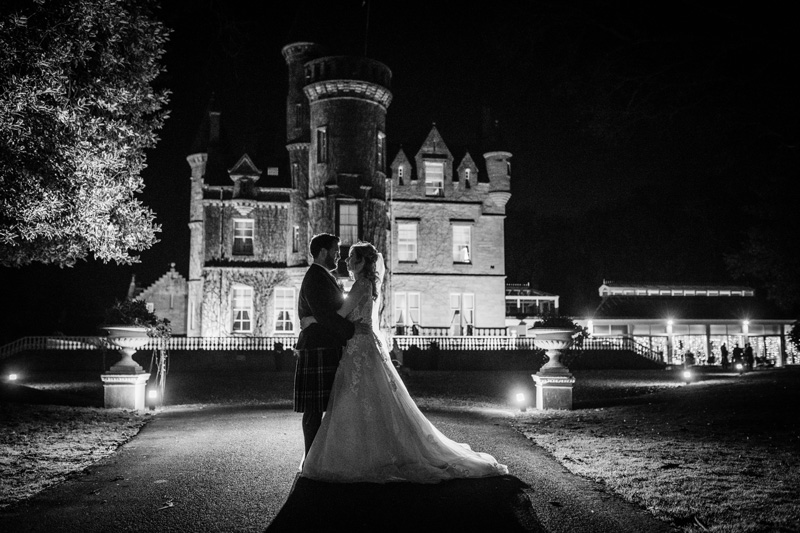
<point>373,431</point>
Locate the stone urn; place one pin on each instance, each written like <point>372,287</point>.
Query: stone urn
<point>553,341</point>
<point>553,381</point>
<point>124,383</point>
<point>127,339</point>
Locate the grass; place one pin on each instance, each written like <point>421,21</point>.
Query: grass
<point>718,455</point>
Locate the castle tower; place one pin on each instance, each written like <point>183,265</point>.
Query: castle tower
<point>346,156</point>
<point>207,163</point>
<point>297,126</point>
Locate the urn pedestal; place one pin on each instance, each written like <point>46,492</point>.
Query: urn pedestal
<point>554,381</point>
<point>124,383</point>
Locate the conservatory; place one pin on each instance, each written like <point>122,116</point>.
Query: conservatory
<point>695,321</point>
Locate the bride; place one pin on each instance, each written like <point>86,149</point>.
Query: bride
<point>373,431</point>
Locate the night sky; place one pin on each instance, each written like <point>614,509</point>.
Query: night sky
<point>643,140</point>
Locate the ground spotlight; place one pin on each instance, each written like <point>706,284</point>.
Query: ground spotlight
<point>523,405</point>
<point>152,397</point>
<point>13,377</point>
<point>739,368</point>
<point>687,376</point>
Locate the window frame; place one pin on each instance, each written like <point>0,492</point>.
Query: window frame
<point>242,250</point>
<point>413,250</point>
<point>434,188</point>
<point>344,236</point>
<point>295,239</point>
<point>409,305</point>
<point>248,318</point>
<point>287,293</point>
<point>322,144</point>
<point>458,247</point>
<point>380,156</point>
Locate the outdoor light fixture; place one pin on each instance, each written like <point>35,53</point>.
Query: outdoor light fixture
<point>687,376</point>
<point>152,395</point>
<point>521,401</point>
<point>12,377</point>
<point>740,368</point>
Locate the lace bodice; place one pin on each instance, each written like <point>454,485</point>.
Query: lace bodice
<point>362,291</point>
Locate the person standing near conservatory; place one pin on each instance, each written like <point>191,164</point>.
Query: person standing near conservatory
<point>319,346</point>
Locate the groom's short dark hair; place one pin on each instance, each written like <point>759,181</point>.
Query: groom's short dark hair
<point>322,241</point>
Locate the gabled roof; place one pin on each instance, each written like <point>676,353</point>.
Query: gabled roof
<point>434,145</point>
<point>244,168</point>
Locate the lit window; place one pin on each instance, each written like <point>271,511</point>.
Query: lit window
<point>242,309</point>
<point>322,145</point>
<point>434,178</point>
<point>455,308</point>
<point>400,312</point>
<point>284,310</point>
<point>295,239</point>
<point>413,307</point>
<point>406,242</point>
<point>467,177</point>
<point>400,172</point>
<point>348,224</point>
<point>462,313</point>
<point>406,308</point>
<point>381,150</point>
<point>461,244</point>
<point>468,308</point>
<point>243,230</point>
<point>295,176</point>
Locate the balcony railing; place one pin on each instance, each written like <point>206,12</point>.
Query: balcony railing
<point>174,343</point>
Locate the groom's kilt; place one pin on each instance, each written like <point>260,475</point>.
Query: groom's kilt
<point>313,378</point>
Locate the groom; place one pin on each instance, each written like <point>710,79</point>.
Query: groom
<point>319,346</point>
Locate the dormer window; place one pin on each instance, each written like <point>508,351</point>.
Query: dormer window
<point>467,177</point>
<point>434,178</point>
<point>400,173</point>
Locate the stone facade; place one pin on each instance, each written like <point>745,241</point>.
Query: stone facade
<point>168,298</point>
<point>435,205</point>
<point>249,242</point>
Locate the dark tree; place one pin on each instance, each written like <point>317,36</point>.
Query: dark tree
<point>78,109</point>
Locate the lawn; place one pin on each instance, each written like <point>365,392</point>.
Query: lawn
<point>720,454</point>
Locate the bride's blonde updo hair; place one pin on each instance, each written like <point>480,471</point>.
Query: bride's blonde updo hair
<point>367,252</point>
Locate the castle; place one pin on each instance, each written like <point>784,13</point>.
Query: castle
<point>437,219</point>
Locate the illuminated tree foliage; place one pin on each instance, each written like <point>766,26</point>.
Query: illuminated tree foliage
<point>78,109</point>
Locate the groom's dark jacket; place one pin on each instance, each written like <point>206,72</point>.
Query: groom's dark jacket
<point>320,297</point>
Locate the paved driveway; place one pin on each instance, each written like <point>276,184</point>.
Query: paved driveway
<point>234,469</point>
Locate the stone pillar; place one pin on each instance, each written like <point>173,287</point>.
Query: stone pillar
<point>554,391</point>
<point>124,383</point>
<point>125,391</point>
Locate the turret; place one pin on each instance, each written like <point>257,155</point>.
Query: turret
<point>296,56</point>
<point>498,167</point>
